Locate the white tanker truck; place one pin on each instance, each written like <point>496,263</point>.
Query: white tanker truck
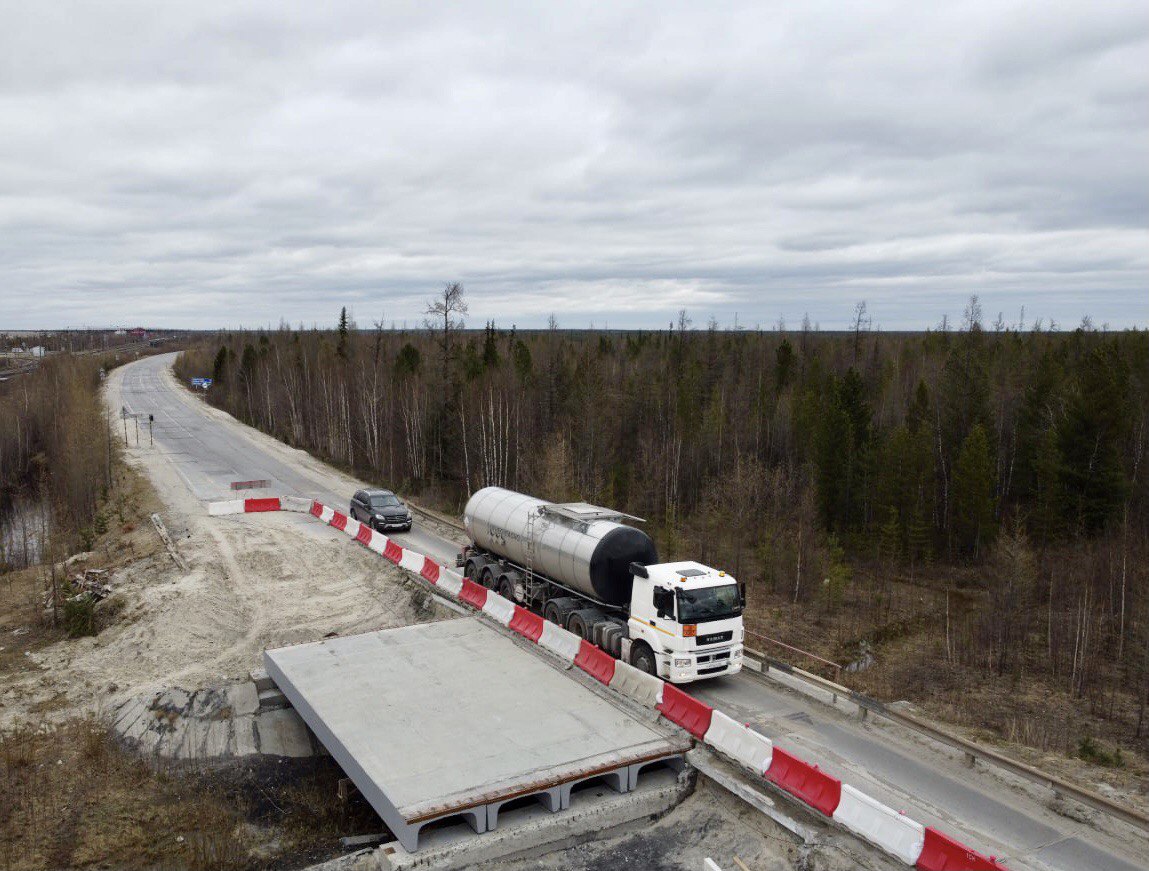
<point>576,565</point>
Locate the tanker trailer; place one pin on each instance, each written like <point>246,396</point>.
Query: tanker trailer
<point>580,566</point>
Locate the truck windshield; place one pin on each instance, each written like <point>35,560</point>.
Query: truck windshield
<point>709,603</point>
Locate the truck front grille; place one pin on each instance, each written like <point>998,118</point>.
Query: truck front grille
<point>713,657</point>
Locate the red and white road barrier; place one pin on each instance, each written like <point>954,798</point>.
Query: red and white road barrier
<point>892,831</point>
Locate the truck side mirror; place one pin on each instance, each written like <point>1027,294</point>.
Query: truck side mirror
<point>742,594</point>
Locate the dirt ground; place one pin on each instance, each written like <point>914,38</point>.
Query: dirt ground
<point>710,824</point>
<point>254,582</point>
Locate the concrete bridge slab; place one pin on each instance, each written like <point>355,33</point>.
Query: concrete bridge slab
<point>453,718</point>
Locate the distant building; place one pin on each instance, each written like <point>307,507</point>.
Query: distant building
<point>36,351</point>
<point>138,332</point>
<point>120,333</point>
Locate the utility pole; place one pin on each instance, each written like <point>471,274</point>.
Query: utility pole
<point>151,430</point>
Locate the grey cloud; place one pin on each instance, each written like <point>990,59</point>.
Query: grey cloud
<point>239,163</point>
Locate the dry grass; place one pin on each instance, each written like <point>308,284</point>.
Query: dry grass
<point>71,797</point>
<point>128,536</point>
<point>1030,718</point>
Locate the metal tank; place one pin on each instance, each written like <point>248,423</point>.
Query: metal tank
<point>575,544</point>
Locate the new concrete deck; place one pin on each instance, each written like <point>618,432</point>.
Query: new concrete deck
<point>448,718</point>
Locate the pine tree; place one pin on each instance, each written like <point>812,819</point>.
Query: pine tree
<point>890,539</point>
<point>833,448</point>
<point>219,367</point>
<point>973,523</point>
<point>783,365</point>
<point>1098,416</point>
<point>341,347</point>
<point>918,415</point>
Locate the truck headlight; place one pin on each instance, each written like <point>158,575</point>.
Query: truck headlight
<point>681,663</point>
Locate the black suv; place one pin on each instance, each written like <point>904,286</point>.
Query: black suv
<point>380,509</point>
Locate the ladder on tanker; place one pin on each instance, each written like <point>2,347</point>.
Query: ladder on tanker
<point>532,517</point>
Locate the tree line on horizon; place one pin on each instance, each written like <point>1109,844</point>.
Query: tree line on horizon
<point>993,473</point>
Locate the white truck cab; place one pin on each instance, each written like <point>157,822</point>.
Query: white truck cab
<point>690,617</point>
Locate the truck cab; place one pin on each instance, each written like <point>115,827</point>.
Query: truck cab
<point>685,621</point>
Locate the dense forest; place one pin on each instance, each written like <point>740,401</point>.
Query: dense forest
<point>967,506</point>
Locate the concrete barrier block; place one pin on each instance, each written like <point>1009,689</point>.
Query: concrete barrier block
<point>499,609</point>
<point>739,742</point>
<point>940,852</point>
<point>805,781</point>
<point>526,623</point>
<point>295,503</point>
<point>229,506</point>
<point>560,642</point>
<point>378,543</point>
<point>269,503</point>
<point>326,514</point>
<point>685,710</point>
<point>412,561</point>
<point>393,551</point>
<point>882,826</point>
<point>473,594</point>
<point>646,689</point>
<point>451,582</point>
<point>430,570</point>
<point>595,661</point>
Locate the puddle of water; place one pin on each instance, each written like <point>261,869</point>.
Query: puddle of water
<point>22,531</point>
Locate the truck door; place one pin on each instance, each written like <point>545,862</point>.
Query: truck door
<point>663,619</point>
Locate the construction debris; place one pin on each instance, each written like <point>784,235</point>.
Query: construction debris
<point>92,584</point>
<point>168,543</point>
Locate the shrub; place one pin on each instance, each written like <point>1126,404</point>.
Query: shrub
<point>1091,751</point>
<point>80,617</point>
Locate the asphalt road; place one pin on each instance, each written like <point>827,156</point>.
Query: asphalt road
<point>210,451</point>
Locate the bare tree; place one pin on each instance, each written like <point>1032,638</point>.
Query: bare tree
<point>861,324</point>
<point>972,316</point>
<point>444,312</point>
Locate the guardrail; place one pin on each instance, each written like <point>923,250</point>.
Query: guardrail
<point>436,516</point>
<point>972,750</point>
<point>829,662</point>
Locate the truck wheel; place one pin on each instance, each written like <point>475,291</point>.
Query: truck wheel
<point>507,587</point>
<point>580,622</point>
<point>553,613</point>
<point>487,577</point>
<point>642,658</point>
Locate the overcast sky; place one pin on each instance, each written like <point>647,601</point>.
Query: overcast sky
<point>225,163</point>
